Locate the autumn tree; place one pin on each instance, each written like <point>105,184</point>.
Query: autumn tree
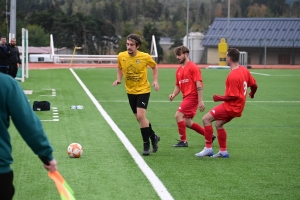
<point>257,11</point>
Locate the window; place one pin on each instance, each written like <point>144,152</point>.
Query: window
<point>284,59</point>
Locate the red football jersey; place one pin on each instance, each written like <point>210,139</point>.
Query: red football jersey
<point>237,83</point>
<point>186,78</point>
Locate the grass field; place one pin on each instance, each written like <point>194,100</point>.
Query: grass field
<point>263,143</point>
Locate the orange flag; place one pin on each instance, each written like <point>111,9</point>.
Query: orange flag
<point>65,191</point>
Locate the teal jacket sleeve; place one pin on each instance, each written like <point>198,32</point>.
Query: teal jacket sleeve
<point>27,122</point>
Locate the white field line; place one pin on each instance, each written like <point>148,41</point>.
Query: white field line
<point>272,75</point>
<point>260,74</point>
<point>286,75</point>
<point>126,101</point>
<point>55,117</point>
<point>158,186</point>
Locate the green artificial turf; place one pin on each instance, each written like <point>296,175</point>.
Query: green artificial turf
<point>263,144</point>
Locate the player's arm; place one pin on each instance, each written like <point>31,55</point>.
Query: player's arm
<point>29,125</point>
<point>200,100</point>
<point>119,77</point>
<point>155,78</point>
<point>253,89</point>
<point>175,93</point>
<point>224,98</point>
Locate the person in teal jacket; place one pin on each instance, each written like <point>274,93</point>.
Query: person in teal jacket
<point>14,105</point>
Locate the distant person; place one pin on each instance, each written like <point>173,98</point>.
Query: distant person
<point>236,85</point>
<point>189,83</point>
<point>14,105</point>
<point>4,56</point>
<point>14,59</point>
<point>133,65</point>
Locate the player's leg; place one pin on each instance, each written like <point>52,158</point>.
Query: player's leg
<point>220,115</point>
<point>143,99</point>
<point>207,119</point>
<point>196,127</point>
<point>187,109</point>
<point>139,113</point>
<point>6,184</point>
<point>222,138</point>
<point>146,127</point>
<point>179,117</point>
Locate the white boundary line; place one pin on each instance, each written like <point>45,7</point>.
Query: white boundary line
<point>55,117</point>
<point>158,186</point>
<point>260,74</point>
<point>118,101</point>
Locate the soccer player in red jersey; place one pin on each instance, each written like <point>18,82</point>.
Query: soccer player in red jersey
<point>189,82</point>
<point>237,83</point>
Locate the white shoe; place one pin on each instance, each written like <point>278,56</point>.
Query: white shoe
<point>221,155</point>
<point>205,152</point>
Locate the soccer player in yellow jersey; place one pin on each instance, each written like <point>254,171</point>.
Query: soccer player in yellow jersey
<point>133,65</point>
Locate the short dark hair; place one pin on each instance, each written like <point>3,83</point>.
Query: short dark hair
<point>234,54</point>
<point>136,38</point>
<point>3,37</point>
<point>181,50</point>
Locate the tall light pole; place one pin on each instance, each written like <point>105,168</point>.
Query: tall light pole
<point>13,10</point>
<point>228,21</point>
<point>187,22</point>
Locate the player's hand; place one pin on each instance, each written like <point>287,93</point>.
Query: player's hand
<point>116,83</point>
<point>201,106</point>
<point>171,97</point>
<point>51,167</point>
<point>156,85</point>
<point>251,95</point>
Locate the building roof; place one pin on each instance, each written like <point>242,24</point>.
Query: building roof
<point>255,32</point>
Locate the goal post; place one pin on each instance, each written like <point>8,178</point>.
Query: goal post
<point>23,72</point>
<point>71,58</point>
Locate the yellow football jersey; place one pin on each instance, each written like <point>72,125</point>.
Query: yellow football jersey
<point>135,71</point>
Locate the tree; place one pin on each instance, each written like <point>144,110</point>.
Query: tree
<point>257,11</point>
<point>149,30</point>
<point>38,37</point>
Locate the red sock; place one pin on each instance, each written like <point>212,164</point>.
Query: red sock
<point>196,127</point>
<point>182,130</point>
<point>208,132</point>
<point>222,136</point>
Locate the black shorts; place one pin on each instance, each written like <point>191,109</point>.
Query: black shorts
<point>7,189</point>
<point>138,101</point>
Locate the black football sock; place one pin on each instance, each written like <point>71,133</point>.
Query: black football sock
<point>152,133</point>
<point>145,134</point>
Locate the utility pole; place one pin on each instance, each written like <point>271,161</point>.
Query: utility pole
<point>13,11</point>
<point>187,23</point>
<point>228,22</point>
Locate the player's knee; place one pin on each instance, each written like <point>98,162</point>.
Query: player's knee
<point>178,117</point>
<point>219,125</point>
<point>140,118</point>
<point>205,120</point>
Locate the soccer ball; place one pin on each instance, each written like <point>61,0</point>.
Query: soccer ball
<point>75,150</point>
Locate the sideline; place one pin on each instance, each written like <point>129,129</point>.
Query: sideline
<point>158,186</point>
<point>247,101</point>
<point>260,74</point>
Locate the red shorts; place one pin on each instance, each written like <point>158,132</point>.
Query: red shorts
<point>189,107</point>
<point>219,113</point>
